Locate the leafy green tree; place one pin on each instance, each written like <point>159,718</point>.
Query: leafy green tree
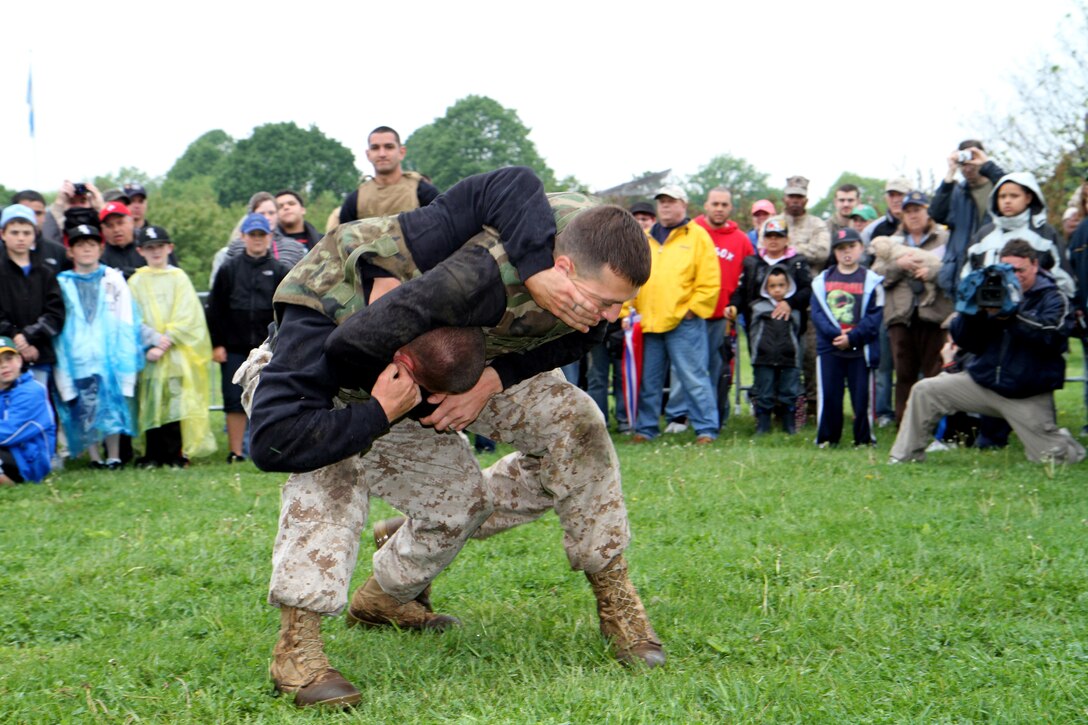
<point>571,183</point>
<point>1046,130</point>
<point>476,135</point>
<point>871,192</point>
<point>124,175</point>
<point>745,181</point>
<point>198,225</point>
<point>284,156</point>
<point>203,157</point>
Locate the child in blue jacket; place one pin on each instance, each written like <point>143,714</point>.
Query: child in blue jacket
<point>847,309</point>
<point>27,428</point>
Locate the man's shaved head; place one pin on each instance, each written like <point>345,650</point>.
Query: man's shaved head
<point>446,359</point>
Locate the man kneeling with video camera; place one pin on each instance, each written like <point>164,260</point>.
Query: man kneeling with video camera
<point>1014,344</point>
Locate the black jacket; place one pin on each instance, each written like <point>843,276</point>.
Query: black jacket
<point>1021,355</point>
<point>754,273</point>
<point>312,236</point>
<point>32,305</point>
<point>240,304</point>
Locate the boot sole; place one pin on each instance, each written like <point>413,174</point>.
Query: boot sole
<point>353,620</point>
<point>342,701</point>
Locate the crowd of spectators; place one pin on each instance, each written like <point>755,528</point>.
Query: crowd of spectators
<point>95,312</point>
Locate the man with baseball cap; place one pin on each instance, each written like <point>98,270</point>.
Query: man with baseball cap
<point>762,210</point>
<point>119,234</point>
<point>137,204</point>
<point>894,192</point>
<point>861,216</point>
<point>645,214</point>
<point>674,305</point>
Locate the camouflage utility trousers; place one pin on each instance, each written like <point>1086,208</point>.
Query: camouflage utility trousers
<point>564,461</point>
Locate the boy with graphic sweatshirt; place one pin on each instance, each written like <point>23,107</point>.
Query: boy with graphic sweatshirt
<point>847,309</point>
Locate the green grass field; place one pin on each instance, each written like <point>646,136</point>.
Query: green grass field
<point>789,584</point>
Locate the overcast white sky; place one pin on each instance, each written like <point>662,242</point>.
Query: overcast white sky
<point>609,89</point>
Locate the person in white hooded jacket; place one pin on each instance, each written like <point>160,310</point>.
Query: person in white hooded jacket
<point>1019,212</point>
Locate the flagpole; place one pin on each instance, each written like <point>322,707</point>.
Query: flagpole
<point>30,115</point>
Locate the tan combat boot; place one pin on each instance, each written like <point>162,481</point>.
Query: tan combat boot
<point>372,607</point>
<point>623,618</point>
<point>383,531</point>
<point>299,664</point>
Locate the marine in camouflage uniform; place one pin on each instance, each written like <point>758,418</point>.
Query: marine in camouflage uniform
<point>565,459</point>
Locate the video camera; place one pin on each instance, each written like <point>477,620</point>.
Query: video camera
<point>992,287</point>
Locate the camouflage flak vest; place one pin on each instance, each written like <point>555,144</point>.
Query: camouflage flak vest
<point>326,280</point>
<point>374,200</point>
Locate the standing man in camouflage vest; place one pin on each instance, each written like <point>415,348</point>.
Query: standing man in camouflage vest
<point>391,190</point>
<point>364,291</point>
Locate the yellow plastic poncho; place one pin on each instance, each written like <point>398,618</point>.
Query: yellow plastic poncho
<point>176,387</point>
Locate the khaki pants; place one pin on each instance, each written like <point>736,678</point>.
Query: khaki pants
<point>1032,418</point>
<point>565,461</point>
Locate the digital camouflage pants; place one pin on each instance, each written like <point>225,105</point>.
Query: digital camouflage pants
<point>564,461</point>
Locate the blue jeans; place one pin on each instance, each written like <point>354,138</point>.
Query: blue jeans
<point>598,366</point>
<point>884,407</point>
<point>775,386</point>
<point>678,403</point>
<point>571,372</point>
<point>685,347</point>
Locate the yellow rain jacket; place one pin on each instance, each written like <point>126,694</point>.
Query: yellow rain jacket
<point>684,277</point>
<point>176,387</point>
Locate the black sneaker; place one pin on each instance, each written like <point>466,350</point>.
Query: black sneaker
<point>180,462</point>
<point>99,465</point>
<point>114,464</point>
<point>145,462</point>
<point>233,457</point>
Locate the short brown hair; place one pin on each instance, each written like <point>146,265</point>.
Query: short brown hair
<point>607,235</point>
<point>448,359</point>
<point>1019,248</point>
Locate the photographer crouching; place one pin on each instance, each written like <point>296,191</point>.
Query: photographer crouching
<point>1014,324</point>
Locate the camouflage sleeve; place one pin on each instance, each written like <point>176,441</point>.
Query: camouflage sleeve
<point>511,200</point>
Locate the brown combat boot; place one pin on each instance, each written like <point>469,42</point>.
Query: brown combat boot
<point>623,618</point>
<point>383,531</point>
<point>299,664</point>
<point>372,607</point>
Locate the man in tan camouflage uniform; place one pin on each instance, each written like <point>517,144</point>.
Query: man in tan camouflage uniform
<point>810,236</point>
<point>362,293</point>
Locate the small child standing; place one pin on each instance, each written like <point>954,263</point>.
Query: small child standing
<point>774,334</point>
<point>173,392</point>
<point>98,352</point>
<point>239,312</point>
<point>847,309</point>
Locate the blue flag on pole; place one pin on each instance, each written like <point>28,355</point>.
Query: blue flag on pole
<point>30,98</point>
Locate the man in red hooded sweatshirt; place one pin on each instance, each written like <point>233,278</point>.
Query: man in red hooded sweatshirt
<point>732,246</point>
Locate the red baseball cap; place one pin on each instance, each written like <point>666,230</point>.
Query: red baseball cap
<point>764,205</point>
<point>114,207</point>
